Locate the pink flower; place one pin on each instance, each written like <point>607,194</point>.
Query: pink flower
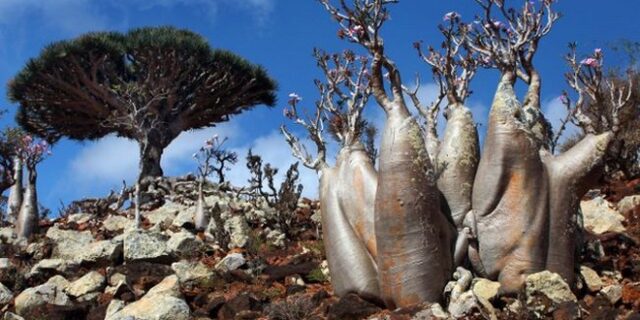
<point>495,24</point>
<point>591,62</point>
<point>597,51</point>
<point>450,16</point>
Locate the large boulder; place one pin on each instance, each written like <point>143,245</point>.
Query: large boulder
<point>162,302</point>
<point>193,273</point>
<point>101,252</point>
<point>114,223</point>
<point>141,245</point>
<point>600,216</point>
<point>48,298</point>
<point>68,243</point>
<point>90,282</point>
<point>184,244</point>
<point>238,230</point>
<point>52,266</point>
<point>164,214</point>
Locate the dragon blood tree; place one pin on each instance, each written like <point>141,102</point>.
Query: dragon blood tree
<point>32,152</point>
<point>414,237</point>
<point>148,85</point>
<point>525,199</point>
<point>348,188</point>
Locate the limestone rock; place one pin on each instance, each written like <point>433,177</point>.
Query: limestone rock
<point>192,274</point>
<point>169,286</point>
<point>116,223</point>
<point>612,292</point>
<point>90,282</point>
<point>184,243</point>
<point>591,279</point>
<point>5,295</point>
<point>162,302</point>
<point>486,289</point>
<point>114,306</point>
<point>52,265</point>
<point>185,218</point>
<point>12,316</point>
<point>68,242</point>
<point>238,230</point>
<point>231,262</point>
<point>79,218</point>
<point>140,245</point>
<point>628,203</point>
<point>600,216</point>
<point>48,297</point>
<point>4,263</point>
<point>101,252</point>
<point>164,214</point>
<point>276,237</point>
<point>546,291</point>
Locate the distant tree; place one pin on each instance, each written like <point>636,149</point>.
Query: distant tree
<point>148,85</point>
<point>32,152</point>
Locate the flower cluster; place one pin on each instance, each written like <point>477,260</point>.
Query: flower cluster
<point>33,151</point>
<point>594,61</point>
<point>451,16</point>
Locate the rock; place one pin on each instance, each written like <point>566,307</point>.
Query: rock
<point>600,216</point>
<point>156,307</point>
<point>591,279</point>
<point>184,244</point>
<point>90,282</point>
<point>628,203</point>
<point>101,252</point>
<point>353,307</point>
<point>5,295</point>
<point>276,237</point>
<point>115,223</point>
<point>612,292</point>
<point>4,263</point>
<point>193,274</point>
<point>486,289</point>
<point>114,306</point>
<point>546,291</point>
<point>12,316</point>
<point>238,229</point>
<point>435,311</point>
<point>58,281</point>
<point>164,214</point>
<point>185,218</point>
<point>145,246</point>
<point>324,267</point>
<point>38,250</point>
<point>465,304</point>
<point>52,265</point>
<point>7,235</point>
<point>68,242</point>
<point>169,286</point>
<point>47,298</point>
<point>231,262</point>
<point>79,218</point>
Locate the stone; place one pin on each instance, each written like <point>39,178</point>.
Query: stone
<point>231,262</point>
<point>79,218</point>
<point>600,216</point>
<point>185,218</point>
<point>184,243</point>
<point>37,250</point>
<point>276,237</point>
<point>114,223</point>
<point>52,265</point>
<point>353,307</point>
<point>238,229</point>
<point>591,279</point>
<point>43,299</point>
<point>546,291</point>
<point>164,214</point>
<point>140,245</point>
<point>485,289</point>
<point>612,292</point>
<point>465,304</point>
<point>324,267</point>
<point>628,203</point>
<point>169,286</point>
<point>12,316</point>
<point>67,243</point>
<point>58,281</point>
<point>5,295</point>
<point>90,282</point>
<point>4,263</point>
<point>156,307</point>
<point>7,235</point>
<point>193,274</point>
<point>101,252</point>
<point>434,311</point>
<point>114,306</point>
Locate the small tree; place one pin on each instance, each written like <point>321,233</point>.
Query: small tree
<point>148,85</point>
<point>207,157</point>
<point>32,152</point>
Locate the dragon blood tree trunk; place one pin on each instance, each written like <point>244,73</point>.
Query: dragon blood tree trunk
<point>27,221</point>
<point>413,237</point>
<point>510,199</point>
<point>570,176</point>
<point>16,192</point>
<point>458,161</point>
<point>350,262</point>
<point>151,149</point>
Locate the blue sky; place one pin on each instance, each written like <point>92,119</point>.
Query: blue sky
<point>280,35</point>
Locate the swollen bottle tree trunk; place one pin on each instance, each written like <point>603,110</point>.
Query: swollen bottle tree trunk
<point>16,192</point>
<point>28,217</point>
<point>457,161</point>
<point>201,217</point>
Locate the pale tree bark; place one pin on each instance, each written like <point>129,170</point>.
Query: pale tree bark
<point>16,192</point>
<point>201,217</point>
<point>28,217</point>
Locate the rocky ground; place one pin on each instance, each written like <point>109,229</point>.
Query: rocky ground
<point>254,263</point>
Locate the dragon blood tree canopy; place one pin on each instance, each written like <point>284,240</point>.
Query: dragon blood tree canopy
<point>149,85</point>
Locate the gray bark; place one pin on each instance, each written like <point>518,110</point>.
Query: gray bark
<point>28,217</point>
<point>201,218</point>
<point>16,192</point>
